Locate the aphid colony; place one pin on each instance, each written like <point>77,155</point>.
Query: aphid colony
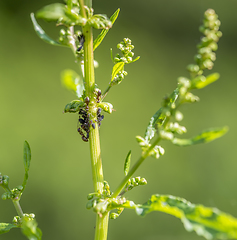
<point>84,122</point>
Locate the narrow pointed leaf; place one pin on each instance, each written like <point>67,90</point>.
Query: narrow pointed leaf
<point>134,60</point>
<point>116,69</point>
<point>72,81</point>
<point>103,33</point>
<point>6,227</point>
<point>207,222</point>
<point>127,163</point>
<point>41,33</point>
<point>30,229</point>
<point>201,81</point>
<point>27,156</point>
<point>27,159</point>
<point>204,137</point>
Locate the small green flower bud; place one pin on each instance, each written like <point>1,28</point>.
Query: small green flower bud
<point>191,97</point>
<point>137,179</point>
<point>113,215</point>
<point>178,116</point>
<point>193,68</point>
<point>120,46</point>
<point>143,181</point>
<point>133,181</point>
<point>89,204</point>
<point>5,196</point>
<point>166,135</point>
<point>208,64</point>
<point>213,46</point>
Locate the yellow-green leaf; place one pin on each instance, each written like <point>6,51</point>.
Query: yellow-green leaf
<point>6,227</point>
<point>207,222</point>
<point>202,81</point>
<point>206,136</point>
<point>116,69</point>
<point>72,81</point>
<point>103,33</point>
<point>41,33</point>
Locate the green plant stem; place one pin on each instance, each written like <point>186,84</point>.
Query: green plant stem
<point>102,226</point>
<point>18,208</point>
<point>96,162</point>
<point>105,92</point>
<point>133,169</point>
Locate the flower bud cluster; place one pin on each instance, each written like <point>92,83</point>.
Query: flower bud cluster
<point>15,193</point>
<point>99,21</point>
<point>175,128</point>
<point>119,77</point>
<point>96,198</point>
<point>206,49</point>
<point>126,48</point>
<point>156,152</point>
<point>4,180</point>
<point>66,37</point>
<point>134,182</point>
<point>17,219</point>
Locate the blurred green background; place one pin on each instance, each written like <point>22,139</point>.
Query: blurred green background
<point>165,35</point>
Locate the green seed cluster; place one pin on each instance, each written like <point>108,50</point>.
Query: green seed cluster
<point>206,49</point>
<point>119,77</point>
<point>126,48</point>
<point>156,152</point>
<point>134,182</point>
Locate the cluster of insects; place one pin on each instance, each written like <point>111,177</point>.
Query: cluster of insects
<point>84,122</point>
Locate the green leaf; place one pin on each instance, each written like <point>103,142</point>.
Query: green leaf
<point>151,128</point>
<point>134,60</point>
<point>207,222</point>
<point>41,33</point>
<point>103,33</point>
<point>127,163</point>
<point>52,12</point>
<point>202,81</point>
<point>30,229</point>
<point>116,69</point>
<point>26,158</point>
<point>6,227</point>
<point>206,136</point>
<point>62,14</point>
<point>72,81</point>
<point>74,106</point>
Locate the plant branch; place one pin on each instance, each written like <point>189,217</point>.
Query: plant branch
<point>134,168</point>
<point>18,207</point>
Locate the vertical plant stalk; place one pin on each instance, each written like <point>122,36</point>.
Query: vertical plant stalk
<point>94,140</point>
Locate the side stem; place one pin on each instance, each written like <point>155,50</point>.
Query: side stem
<point>133,169</point>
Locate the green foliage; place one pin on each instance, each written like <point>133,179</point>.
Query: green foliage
<point>30,229</point>
<point>207,222</point>
<point>27,158</point>
<point>127,163</point>
<point>204,137</point>
<point>41,33</point>
<point>6,227</point>
<point>73,82</point>
<point>163,125</point>
<point>103,33</point>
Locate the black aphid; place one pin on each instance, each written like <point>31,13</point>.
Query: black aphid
<point>81,39</point>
